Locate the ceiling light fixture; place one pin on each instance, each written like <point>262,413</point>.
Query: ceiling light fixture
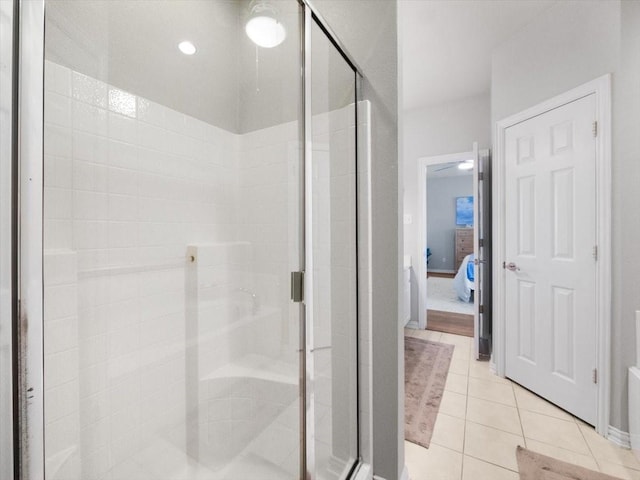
<point>466,165</point>
<point>187,47</point>
<point>263,27</point>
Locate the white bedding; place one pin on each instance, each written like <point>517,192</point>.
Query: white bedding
<point>462,285</point>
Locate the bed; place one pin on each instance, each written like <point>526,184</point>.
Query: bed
<point>463,282</point>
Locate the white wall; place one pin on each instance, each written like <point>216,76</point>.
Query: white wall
<point>437,130</point>
<point>569,44</point>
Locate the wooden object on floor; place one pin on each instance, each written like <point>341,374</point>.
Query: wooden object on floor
<point>464,244</point>
<point>440,274</point>
<point>450,322</point>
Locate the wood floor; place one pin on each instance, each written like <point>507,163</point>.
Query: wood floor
<point>441,274</point>
<point>449,322</point>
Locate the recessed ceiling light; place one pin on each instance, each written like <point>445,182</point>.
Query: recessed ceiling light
<point>187,47</point>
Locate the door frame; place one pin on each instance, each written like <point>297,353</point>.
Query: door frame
<point>423,163</point>
<point>601,88</point>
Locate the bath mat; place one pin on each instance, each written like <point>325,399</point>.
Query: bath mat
<point>534,466</point>
<point>426,365</point>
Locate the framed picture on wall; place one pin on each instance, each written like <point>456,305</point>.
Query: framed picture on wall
<point>464,211</point>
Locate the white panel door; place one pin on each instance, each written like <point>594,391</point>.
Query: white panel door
<point>550,257</point>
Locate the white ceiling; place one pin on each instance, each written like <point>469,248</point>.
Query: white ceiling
<point>447,45</point>
<point>446,170</point>
<point>228,82</point>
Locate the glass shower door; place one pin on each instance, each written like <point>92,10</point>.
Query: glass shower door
<point>172,215</point>
<point>334,268</point>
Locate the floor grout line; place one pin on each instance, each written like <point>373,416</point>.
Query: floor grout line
<point>519,416</point>
<point>491,463</point>
<point>466,416</point>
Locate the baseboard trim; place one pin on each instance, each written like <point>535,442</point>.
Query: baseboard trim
<point>403,476</point>
<point>405,473</point>
<point>492,366</point>
<point>412,324</point>
<point>619,437</point>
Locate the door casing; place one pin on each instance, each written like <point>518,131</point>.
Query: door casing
<point>601,88</point>
<point>423,163</point>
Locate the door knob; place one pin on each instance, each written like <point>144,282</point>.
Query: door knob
<point>511,266</point>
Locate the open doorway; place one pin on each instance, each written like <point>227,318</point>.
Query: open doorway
<point>454,274</point>
<point>450,250</point>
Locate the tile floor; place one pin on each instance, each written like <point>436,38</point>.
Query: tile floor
<point>483,418</point>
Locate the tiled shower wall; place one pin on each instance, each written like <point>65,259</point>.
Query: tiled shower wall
<point>128,184</point>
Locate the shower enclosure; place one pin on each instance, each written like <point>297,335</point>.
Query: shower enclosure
<point>188,242</point>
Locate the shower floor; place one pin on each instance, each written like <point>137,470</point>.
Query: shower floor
<point>272,455</point>
<point>162,460</point>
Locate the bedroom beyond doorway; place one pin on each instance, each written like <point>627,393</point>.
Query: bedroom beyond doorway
<point>450,238</point>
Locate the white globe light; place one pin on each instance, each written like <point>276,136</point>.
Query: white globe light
<point>466,165</point>
<point>187,47</point>
<point>265,31</point>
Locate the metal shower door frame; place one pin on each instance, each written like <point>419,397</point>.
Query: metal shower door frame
<point>311,16</point>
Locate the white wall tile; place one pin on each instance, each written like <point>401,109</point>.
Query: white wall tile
<point>123,181</point>
<point>61,301</point>
<point>58,234</point>
<point>123,207</point>
<point>123,155</point>
<point>88,205</point>
<point>93,351</point>
<point>57,141</point>
<point>89,118</point>
<point>89,147</point>
<point>88,90</point>
<point>122,128</point>
<point>61,401</point>
<point>122,102</point>
<point>57,109</point>
<point>61,368</point>
<point>90,176</point>
<point>57,78</point>
<point>60,267</point>
<point>123,234</point>
<point>90,234</point>
<point>59,203</point>
<point>58,172</point>
<point>60,335</point>
<point>61,434</point>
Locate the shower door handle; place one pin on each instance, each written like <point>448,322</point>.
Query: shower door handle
<point>297,287</point>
